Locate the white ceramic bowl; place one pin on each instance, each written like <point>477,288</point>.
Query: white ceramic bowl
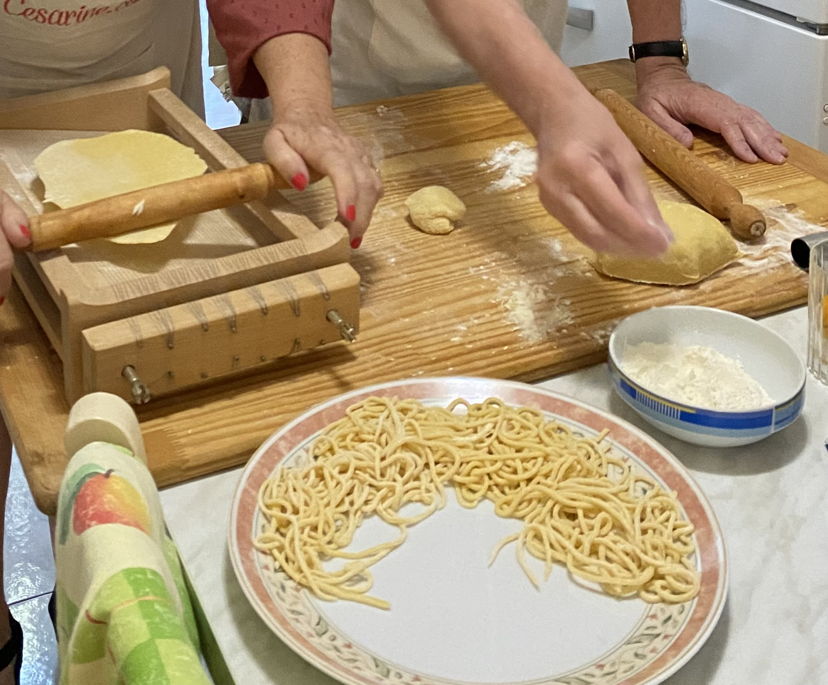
<point>763,354</point>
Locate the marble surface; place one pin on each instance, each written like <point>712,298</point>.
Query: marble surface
<point>29,578</point>
<point>769,498</point>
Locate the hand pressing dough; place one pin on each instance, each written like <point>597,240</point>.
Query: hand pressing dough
<point>434,209</point>
<point>702,246</point>
<point>86,169</point>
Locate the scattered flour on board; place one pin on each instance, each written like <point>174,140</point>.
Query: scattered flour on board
<point>534,311</point>
<point>785,224</point>
<point>518,163</point>
<point>528,298</point>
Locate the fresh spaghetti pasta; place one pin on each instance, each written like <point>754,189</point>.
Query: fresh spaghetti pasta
<point>581,506</point>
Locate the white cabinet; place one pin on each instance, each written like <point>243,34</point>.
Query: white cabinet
<point>814,11</point>
<point>608,39</point>
<point>772,65</point>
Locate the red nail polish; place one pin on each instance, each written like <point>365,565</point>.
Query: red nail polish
<point>25,231</point>
<point>356,242</point>
<point>350,212</point>
<point>299,181</point>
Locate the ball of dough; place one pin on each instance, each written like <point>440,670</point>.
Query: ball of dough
<point>434,209</point>
<point>702,246</point>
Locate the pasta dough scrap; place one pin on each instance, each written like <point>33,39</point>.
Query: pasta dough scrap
<point>83,170</point>
<point>435,209</point>
<point>702,246</point>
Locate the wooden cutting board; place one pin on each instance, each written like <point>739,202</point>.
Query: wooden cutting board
<point>509,294</point>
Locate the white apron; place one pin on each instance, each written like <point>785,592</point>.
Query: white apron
<point>53,44</point>
<point>405,52</point>
<point>384,48</point>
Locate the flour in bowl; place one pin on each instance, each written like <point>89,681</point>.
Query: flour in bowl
<point>694,375</point>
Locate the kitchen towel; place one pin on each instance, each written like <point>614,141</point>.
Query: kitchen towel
<point>123,611</point>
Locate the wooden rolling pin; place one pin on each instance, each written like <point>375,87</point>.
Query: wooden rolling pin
<point>686,170</point>
<point>152,206</point>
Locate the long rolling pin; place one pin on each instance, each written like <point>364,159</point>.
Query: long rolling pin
<point>686,170</point>
<point>155,205</point>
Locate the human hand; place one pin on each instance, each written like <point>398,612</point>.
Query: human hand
<point>306,135</point>
<point>591,178</point>
<point>672,99</point>
<point>14,232</point>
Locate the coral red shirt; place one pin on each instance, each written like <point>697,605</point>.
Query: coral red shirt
<point>243,25</point>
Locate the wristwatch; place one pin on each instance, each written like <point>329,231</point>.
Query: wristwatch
<point>661,48</point>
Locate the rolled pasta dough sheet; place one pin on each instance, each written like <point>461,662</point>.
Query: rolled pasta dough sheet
<point>83,170</point>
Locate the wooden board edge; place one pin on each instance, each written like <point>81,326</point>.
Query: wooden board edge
<point>807,159</point>
<point>36,420</point>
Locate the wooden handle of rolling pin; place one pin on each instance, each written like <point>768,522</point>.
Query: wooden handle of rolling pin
<point>152,206</point>
<point>686,170</point>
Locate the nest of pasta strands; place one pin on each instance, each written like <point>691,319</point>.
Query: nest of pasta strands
<point>581,506</point>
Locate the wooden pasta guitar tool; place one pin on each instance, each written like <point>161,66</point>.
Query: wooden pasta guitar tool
<point>686,170</point>
<point>252,281</point>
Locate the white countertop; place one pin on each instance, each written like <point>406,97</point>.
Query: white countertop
<point>770,499</point>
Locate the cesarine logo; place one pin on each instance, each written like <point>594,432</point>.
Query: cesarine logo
<point>61,17</point>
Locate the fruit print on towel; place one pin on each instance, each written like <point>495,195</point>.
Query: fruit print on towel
<point>98,495</point>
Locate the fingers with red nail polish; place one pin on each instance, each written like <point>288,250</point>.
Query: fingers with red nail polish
<point>14,223</point>
<point>356,242</point>
<point>305,135</point>
<point>14,233</point>
<point>299,181</point>
<point>285,159</point>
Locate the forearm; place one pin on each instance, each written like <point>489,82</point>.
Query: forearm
<point>245,26</point>
<point>296,69</point>
<point>509,53</point>
<point>655,20</point>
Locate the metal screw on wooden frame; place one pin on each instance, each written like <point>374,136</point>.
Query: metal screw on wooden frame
<point>346,330</point>
<point>140,392</point>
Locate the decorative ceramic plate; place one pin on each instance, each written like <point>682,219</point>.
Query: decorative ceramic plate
<point>453,618</point>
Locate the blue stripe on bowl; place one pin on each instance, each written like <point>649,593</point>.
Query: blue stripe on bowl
<point>661,419</point>
<point>707,421</point>
<point>787,413</point>
<point>696,416</point>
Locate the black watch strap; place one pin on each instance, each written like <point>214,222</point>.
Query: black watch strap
<point>660,48</point>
